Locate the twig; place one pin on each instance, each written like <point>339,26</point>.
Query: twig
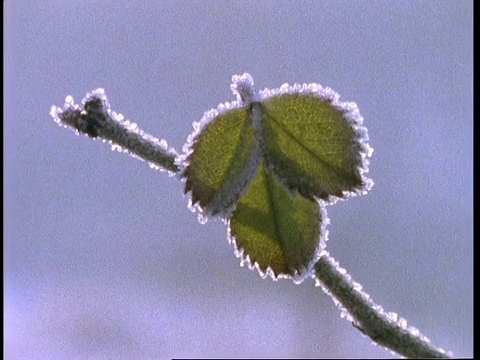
<point>386,329</point>
<point>97,120</point>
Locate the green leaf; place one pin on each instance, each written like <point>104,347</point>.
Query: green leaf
<point>313,143</point>
<point>222,160</point>
<point>279,232</point>
<point>266,163</point>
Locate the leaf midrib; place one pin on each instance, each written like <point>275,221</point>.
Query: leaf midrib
<point>241,140</point>
<point>339,172</point>
<point>268,182</point>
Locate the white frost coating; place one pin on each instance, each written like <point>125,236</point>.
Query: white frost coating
<point>402,323</point>
<point>357,286</point>
<point>69,103</point>
<point>392,316</point>
<point>99,94</point>
<point>351,113</point>
<point>243,88</point>
<point>121,134</point>
<point>66,115</point>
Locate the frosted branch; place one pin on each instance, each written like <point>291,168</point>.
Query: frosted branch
<point>385,329</point>
<point>97,120</point>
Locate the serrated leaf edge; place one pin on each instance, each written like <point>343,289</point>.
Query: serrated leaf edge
<point>222,211</point>
<point>352,115</point>
<point>299,276</point>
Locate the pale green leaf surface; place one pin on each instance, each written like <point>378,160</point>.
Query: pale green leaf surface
<point>221,161</point>
<point>278,231</point>
<point>311,145</point>
<point>265,163</point>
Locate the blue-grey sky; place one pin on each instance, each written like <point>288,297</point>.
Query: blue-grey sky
<point>104,259</point>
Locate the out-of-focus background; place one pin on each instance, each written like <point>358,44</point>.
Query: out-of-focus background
<point>104,260</point>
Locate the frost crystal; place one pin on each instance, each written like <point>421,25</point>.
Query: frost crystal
<point>243,88</point>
